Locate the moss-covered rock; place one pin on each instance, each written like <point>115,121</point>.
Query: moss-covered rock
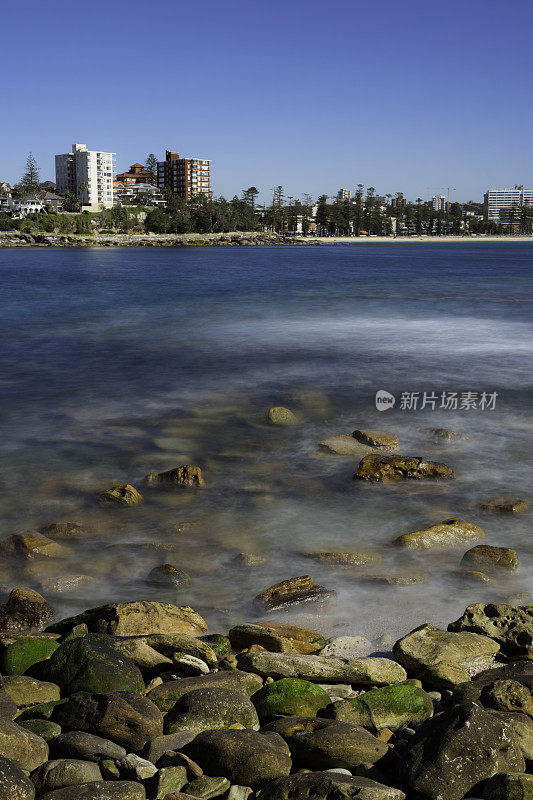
<point>210,709</point>
<point>279,415</point>
<point>123,494</point>
<point>289,697</point>
<point>24,653</point>
<point>44,728</point>
<point>27,691</point>
<point>90,665</point>
<point>219,643</point>
<point>385,707</point>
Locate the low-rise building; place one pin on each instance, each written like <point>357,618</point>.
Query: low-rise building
<point>54,201</point>
<point>140,193</point>
<point>136,174</point>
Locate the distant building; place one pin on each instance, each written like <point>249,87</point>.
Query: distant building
<point>185,177</point>
<point>88,174</point>
<point>53,200</point>
<point>145,193</point>
<point>497,199</point>
<point>399,201</point>
<point>344,194</point>
<point>439,202</point>
<point>5,188</point>
<point>136,174</point>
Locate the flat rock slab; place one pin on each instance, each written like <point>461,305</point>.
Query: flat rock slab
<point>277,637</point>
<point>138,618</point>
<point>332,669</point>
<point>449,533</point>
<point>327,786</point>
<point>387,469</point>
<point>427,646</point>
<point>99,790</point>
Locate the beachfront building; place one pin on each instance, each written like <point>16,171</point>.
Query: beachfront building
<point>438,202</point>
<point>88,174</point>
<point>136,174</point>
<point>185,177</point>
<point>344,194</point>
<point>496,200</point>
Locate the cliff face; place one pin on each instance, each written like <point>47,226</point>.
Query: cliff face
<point>23,239</point>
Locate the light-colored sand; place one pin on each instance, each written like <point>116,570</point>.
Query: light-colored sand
<point>411,239</point>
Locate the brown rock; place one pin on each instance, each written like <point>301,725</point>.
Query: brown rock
<point>279,415</point>
<point>25,610</point>
<point>384,469</point>
<point>294,590</point>
<point>186,475</point>
<point>513,505</point>
<point>376,438</point>
<point>488,559</point>
<point>345,559</point>
<point>123,494</point>
<point>277,637</point>
<point>31,544</point>
<point>64,531</point>
<point>448,533</point>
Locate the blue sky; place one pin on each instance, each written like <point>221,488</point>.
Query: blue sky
<point>403,96</point>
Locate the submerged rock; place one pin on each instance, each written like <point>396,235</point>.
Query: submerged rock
<point>169,576</point>
<point>449,533</point>
<point>31,544</point>
<point>489,559</point>
<point>384,469</point>
<point>353,559</point>
<point>25,610</point>
<point>185,475</point>
<point>506,504</point>
<point>123,494</point>
<point>376,438</point>
<point>64,531</point>
<point>279,415</point>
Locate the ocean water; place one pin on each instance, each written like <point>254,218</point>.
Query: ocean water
<point>118,362</point>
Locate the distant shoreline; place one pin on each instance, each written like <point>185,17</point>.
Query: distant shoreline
<point>22,239</point>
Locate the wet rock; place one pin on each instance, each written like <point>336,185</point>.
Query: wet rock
<point>385,707</point>
<point>444,434</point>
<point>138,618</point>
<point>376,438</point>
<point>127,719</point>
<point>327,785</point>
<point>207,709</point>
<point>90,665</point>
<point>168,780</point>
<point>26,750</point>
<point>251,559</point>
<point>426,646</point>
<point>488,559</point>
<point>506,504</point>
<point>247,758</point>
<point>26,691</point>
<point>398,577</point>
<point>123,494</point>
<point>289,697</point>
<point>384,469</point>
<point>346,559</point>
<point>66,583</point>
<point>14,784</point>
<point>85,746</point>
<point>291,591</point>
<point>99,790</point>
<point>347,647</point>
<point>168,576</point>
<point>22,654</point>
<point>64,531</point>
<point>41,727</point>
<point>509,786</point>
<point>277,637</point>
<point>206,787</point>
<point>186,475</point>
<point>449,533</point>
<point>318,668</point>
<point>25,610</point>
<point>508,695</point>
<point>279,415</point>
<point>326,743</point>
<point>64,772</point>
<point>510,626</point>
<point>345,445</point>
<point>137,768</point>
<point>435,756</point>
<point>31,544</point>
<point>167,694</point>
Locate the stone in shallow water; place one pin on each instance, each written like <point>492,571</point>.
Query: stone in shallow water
<point>277,637</point>
<point>345,445</point>
<point>323,668</point>
<point>186,475</point>
<point>169,576</point>
<point>122,494</point>
<point>489,559</point>
<point>427,645</point>
<point>301,589</point>
<point>376,438</point>
<point>384,469</point>
<point>352,559</point>
<point>506,504</point>
<point>32,544</point>
<point>279,415</point>
<point>64,531</point>
<point>449,533</point>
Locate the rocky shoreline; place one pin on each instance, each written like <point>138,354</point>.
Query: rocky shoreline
<point>23,239</point>
<point>137,700</point>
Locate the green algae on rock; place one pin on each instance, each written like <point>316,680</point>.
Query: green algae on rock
<point>385,707</point>
<point>289,697</point>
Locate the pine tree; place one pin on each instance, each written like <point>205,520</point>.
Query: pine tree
<point>151,166</point>
<point>30,180</point>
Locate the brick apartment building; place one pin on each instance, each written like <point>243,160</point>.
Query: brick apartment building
<point>184,176</point>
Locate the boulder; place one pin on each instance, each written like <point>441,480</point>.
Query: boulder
<point>509,786</point>
<point>31,544</point>
<point>289,697</point>
<point>168,576</point>
<point>443,676</point>
<point>25,610</point>
<point>327,786</point>
<point>247,758</point>
<point>277,637</point>
<point>505,504</point>
<point>347,647</point>
<point>522,725</point>
<point>122,494</point>
<point>449,533</point>
<point>26,750</point>
<point>327,743</point>
<point>279,415</point>
<point>186,475</point>
<point>167,694</point>
<point>209,648</point>
<point>508,695</point>
<point>14,784</point>
<point>64,772</point>
<point>126,718</point>
<point>426,646</point>
<point>64,531</point>
<point>384,469</point>
<point>510,626</point>
<point>137,650</point>
<point>301,589</point>
<point>385,707</point>
<point>491,560</point>
<point>22,654</point>
<point>209,708</point>
<point>205,787</point>
<point>26,691</point>
<point>322,669</point>
<point>377,438</point>
<point>99,790</point>
<point>90,665</point>
<point>138,618</point>
<point>41,727</point>
<point>516,671</point>
<point>85,746</point>
<point>186,666</point>
<point>435,756</point>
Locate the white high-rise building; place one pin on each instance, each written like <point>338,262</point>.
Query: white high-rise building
<point>497,199</point>
<point>439,202</point>
<point>88,174</point>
